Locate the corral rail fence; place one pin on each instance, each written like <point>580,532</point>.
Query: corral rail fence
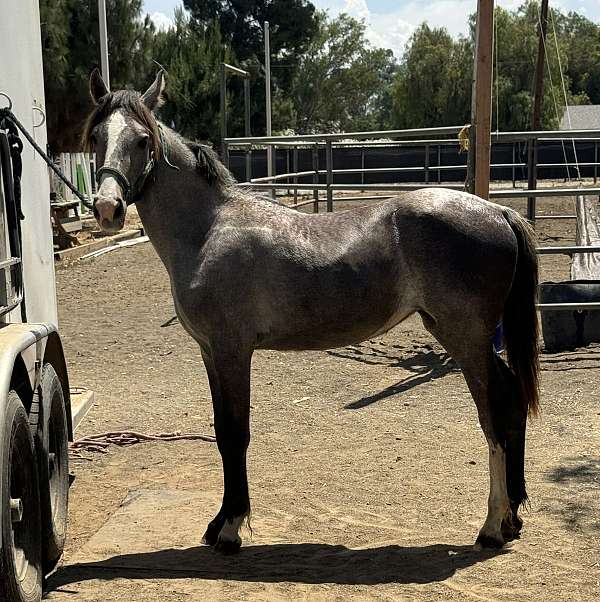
<point>509,161</point>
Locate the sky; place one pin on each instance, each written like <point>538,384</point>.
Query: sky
<point>391,22</point>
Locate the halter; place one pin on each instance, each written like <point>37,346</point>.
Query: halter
<point>132,192</point>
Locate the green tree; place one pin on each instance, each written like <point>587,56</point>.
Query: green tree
<point>71,48</point>
<point>192,59</point>
<point>342,80</point>
<point>432,87</point>
<point>293,25</point>
<point>580,38</point>
<point>517,44</point>
<point>433,83</point>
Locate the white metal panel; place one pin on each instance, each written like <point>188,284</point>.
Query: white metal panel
<point>21,77</point>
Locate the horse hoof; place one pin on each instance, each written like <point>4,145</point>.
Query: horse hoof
<point>211,535</point>
<point>511,530</point>
<point>488,542</point>
<point>209,538</point>
<point>227,548</point>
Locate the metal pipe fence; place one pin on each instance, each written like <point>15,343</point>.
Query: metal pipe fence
<point>312,179</point>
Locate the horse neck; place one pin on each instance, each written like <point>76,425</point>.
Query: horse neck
<point>178,206</point>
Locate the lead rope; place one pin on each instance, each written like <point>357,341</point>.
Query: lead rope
<point>102,441</point>
<point>7,114</point>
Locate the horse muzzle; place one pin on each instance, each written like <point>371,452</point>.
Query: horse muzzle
<point>110,213</point>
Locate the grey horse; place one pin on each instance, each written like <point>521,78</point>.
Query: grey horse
<point>249,274</point>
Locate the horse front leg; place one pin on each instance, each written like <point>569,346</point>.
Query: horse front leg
<point>229,379</point>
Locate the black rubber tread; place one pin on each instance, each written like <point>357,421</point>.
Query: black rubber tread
<point>54,516</point>
<point>17,446</point>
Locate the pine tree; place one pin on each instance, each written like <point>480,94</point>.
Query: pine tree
<point>71,49</point>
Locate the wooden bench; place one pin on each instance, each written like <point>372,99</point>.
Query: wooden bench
<point>66,222</point>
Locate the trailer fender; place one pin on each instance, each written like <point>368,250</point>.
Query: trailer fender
<point>23,349</point>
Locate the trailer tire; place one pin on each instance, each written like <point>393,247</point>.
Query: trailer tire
<point>20,554</point>
<point>52,446</point>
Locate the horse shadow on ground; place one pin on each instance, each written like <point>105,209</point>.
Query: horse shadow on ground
<point>577,505</point>
<point>584,471</point>
<point>583,358</point>
<point>310,563</point>
<point>423,361</point>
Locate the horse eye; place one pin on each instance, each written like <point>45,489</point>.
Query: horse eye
<point>93,140</point>
<point>143,142</point>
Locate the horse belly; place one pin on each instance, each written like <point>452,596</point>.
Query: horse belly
<point>345,311</point>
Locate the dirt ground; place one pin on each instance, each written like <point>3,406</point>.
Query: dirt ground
<point>367,467</point>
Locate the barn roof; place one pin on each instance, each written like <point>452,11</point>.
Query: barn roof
<point>583,117</point>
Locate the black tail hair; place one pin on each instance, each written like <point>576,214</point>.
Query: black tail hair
<point>521,328</point>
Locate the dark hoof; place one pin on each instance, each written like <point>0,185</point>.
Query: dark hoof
<point>511,527</point>
<point>488,543</point>
<point>228,547</point>
<point>517,522</point>
<point>211,536</point>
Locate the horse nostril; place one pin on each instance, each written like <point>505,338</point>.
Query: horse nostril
<point>119,210</point>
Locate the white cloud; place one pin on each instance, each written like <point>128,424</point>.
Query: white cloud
<point>161,21</point>
<point>389,31</point>
<point>392,28</point>
<point>357,9</point>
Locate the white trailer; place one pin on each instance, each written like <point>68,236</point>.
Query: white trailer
<point>36,419</point>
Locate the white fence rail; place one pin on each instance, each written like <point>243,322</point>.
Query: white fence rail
<point>80,169</point>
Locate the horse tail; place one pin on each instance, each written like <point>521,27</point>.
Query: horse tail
<point>521,329</point>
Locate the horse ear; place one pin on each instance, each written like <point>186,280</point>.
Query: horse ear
<point>98,88</point>
<point>152,97</point>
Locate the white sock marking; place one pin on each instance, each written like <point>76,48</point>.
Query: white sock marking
<point>230,530</point>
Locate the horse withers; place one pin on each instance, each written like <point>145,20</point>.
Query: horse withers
<point>247,274</point>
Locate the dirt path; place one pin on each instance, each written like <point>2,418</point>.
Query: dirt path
<point>368,471</point>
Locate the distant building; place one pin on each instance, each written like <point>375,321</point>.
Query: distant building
<point>583,117</point>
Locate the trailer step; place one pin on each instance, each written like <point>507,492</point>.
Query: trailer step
<point>81,402</point>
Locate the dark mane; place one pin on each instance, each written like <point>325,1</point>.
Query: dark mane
<point>131,102</point>
<point>209,165</point>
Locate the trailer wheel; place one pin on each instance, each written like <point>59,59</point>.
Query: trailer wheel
<point>20,556</point>
<point>52,440</point>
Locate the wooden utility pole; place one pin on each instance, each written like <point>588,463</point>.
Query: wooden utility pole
<point>538,94</point>
<point>481,103</point>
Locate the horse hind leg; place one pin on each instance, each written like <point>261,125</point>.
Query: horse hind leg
<point>474,354</point>
<point>491,534</point>
<point>488,391</point>
<point>503,419</point>
<point>514,428</point>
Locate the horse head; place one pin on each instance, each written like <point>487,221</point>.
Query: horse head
<point>124,134</point>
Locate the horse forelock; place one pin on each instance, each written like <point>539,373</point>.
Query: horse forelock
<point>131,103</point>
